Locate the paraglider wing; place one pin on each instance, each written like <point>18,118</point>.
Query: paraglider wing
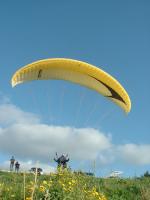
<point>77,72</point>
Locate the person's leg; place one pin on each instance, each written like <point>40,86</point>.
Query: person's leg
<point>10,167</point>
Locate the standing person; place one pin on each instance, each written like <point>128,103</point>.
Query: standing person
<point>12,162</point>
<point>17,166</point>
<point>61,161</point>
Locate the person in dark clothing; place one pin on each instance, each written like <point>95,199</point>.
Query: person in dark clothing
<point>61,161</point>
<point>12,162</point>
<point>17,166</point>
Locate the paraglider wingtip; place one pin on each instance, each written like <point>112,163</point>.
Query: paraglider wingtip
<point>127,111</point>
<point>12,85</point>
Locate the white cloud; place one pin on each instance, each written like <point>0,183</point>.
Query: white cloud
<point>22,134</point>
<point>135,154</point>
<point>26,137</point>
<point>10,114</point>
<point>42,141</point>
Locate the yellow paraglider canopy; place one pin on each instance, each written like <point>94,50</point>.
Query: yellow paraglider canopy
<point>77,72</point>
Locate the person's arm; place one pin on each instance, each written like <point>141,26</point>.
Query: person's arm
<point>56,160</point>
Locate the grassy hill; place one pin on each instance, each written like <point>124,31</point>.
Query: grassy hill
<point>66,185</point>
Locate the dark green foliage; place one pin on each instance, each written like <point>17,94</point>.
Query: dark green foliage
<point>146,174</point>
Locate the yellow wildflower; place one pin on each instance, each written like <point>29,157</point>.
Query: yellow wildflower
<point>31,189</point>
<point>42,188</point>
<point>65,188</point>
<point>96,193</point>
<point>73,181</point>
<point>45,182</point>
<point>28,198</point>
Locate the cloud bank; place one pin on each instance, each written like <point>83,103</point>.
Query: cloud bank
<point>23,134</point>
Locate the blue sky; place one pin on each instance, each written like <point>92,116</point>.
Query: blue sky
<point>113,35</point>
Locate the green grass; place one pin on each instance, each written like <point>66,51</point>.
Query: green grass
<point>66,185</point>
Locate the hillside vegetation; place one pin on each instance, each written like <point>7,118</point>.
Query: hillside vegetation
<point>66,185</point>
